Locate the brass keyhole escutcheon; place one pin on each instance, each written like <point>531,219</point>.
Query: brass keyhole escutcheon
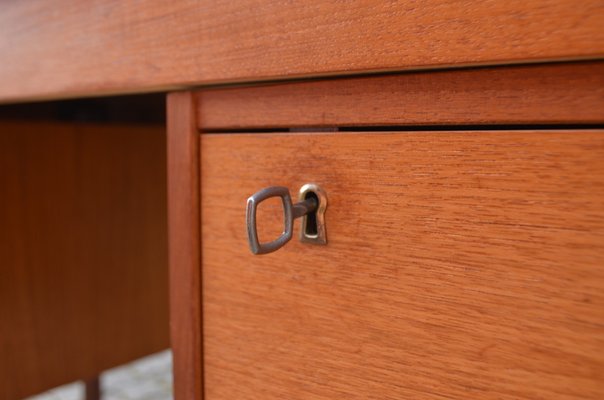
<point>313,224</point>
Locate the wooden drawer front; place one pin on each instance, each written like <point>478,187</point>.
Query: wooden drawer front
<point>459,265</point>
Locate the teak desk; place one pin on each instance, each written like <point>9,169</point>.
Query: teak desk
<point>459,146</point>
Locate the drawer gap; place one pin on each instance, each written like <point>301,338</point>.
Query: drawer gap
<point>410,128</point>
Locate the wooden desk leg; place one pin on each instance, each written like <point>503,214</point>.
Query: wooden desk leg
<point>93,389</point>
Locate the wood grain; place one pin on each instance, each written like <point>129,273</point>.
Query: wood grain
<point>539,94</point>
<point>83,254</point>
<point>184,248</point>
<point>460,265</point>
<point>70,48</point>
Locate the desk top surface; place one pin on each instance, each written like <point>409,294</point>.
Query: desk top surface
<point>73,48</point>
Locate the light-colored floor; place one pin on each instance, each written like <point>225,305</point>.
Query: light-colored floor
<point>149,378</point>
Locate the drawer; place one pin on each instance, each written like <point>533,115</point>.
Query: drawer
<point>466,264</point>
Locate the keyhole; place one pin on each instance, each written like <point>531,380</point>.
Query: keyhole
<point>311,219</point>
